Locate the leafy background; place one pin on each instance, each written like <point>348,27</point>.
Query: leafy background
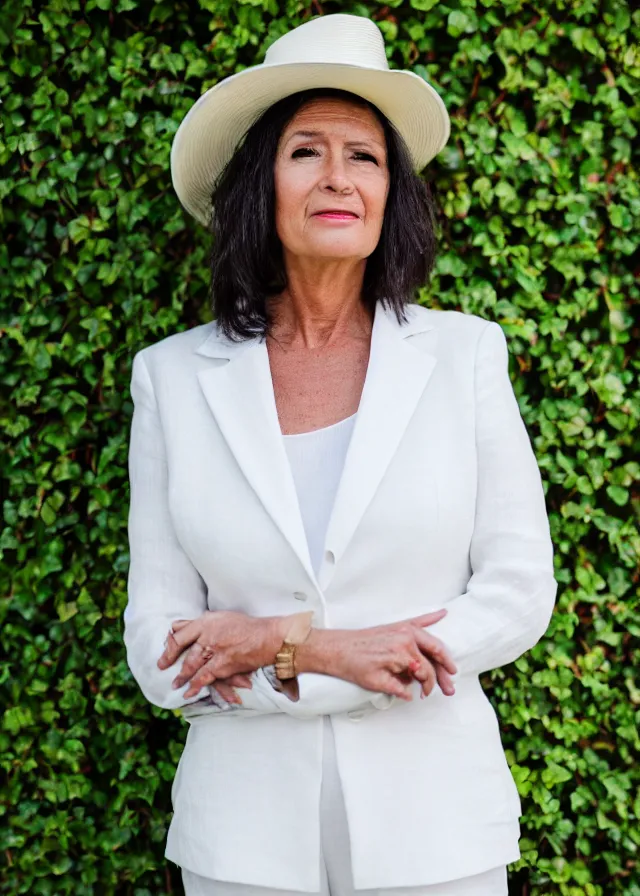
<point>540,209</point>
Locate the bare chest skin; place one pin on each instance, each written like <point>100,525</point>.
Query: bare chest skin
<point>317,387</point>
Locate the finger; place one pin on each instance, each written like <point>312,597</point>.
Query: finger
<point>444,680</point>
<point>175,627</point>
<point>396,687</point>
<point>204,676</point>
<point>430,682</point>
<point>177,641</point>
<point>429,618</point>
<point>192,664</point>
<point>423,671</point>
<point>217,700</point>
<point>435,649</point>
<point>226,691</point>
<point>421,668</point>
<point>168,656</point>
<point>399,662</point>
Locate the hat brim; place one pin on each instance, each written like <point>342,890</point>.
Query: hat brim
<point>211,130</point>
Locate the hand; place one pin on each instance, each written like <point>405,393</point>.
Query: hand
<point>221,644</point>
<point>383,658</point>
<point>438,664</point>
<point>224,686</point>
<point>429,674</point>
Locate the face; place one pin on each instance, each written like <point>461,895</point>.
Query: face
<point>331,181</point>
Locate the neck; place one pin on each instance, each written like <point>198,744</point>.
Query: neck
<point>321,304</point>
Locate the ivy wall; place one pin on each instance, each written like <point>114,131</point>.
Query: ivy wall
<point>539,217</point>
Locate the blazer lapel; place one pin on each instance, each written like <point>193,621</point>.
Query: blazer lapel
<point>241,398</point>
<point>396,378</point>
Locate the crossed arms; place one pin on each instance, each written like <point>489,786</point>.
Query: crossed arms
<point>504,611</point>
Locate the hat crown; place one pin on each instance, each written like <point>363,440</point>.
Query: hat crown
<point>337,39</point>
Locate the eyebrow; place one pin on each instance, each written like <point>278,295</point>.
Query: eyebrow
<point>312,134</point>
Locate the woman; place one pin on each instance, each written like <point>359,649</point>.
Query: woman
<point>335,506</point>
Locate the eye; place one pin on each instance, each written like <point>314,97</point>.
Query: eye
<point>366,157</point>
<point>303,151</point>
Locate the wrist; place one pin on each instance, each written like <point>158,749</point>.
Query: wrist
<point>275,632</point>
<point>316,654</point>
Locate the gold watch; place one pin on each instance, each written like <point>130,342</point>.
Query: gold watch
<point>285,664</point>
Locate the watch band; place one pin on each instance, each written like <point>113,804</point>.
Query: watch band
<point>285,664</point>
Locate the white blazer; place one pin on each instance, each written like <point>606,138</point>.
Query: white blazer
<point>440,504</point>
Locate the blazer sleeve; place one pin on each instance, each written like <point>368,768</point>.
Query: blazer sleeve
<point>510,596</point>
<point>163,585</point>
<point>328,697</point>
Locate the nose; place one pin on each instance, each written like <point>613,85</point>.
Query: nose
<point>335,178</point>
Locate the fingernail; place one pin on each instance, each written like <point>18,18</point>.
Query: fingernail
<point>176,684</point>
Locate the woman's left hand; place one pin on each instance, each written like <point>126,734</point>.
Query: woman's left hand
<point>237,644</point>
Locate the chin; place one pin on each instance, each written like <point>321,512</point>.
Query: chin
<point>333,250</point>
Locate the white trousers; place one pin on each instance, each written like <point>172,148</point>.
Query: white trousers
<point>335,873</point>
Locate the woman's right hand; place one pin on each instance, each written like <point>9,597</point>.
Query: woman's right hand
<point>384,658</point>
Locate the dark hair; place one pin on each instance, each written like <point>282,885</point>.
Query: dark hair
<point>246,258</point>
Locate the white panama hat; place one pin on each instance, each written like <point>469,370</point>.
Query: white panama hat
<point>341,51</point>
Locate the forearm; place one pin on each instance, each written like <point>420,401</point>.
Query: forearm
<point>317,653</point>
<point>321,693</point>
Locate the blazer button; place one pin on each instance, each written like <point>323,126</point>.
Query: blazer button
<point>299,595</point>
<point>356,715</point>
<point>330,557</point>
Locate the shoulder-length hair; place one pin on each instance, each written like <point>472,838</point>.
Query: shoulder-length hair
<point>246,260</point>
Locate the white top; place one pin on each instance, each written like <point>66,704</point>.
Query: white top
<point>316,460</point>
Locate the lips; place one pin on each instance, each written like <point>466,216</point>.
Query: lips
<point>335,213</point>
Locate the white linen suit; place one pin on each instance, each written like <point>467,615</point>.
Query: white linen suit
<point>440,504</point>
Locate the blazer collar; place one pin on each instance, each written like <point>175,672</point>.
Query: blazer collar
<point>241,398</point>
